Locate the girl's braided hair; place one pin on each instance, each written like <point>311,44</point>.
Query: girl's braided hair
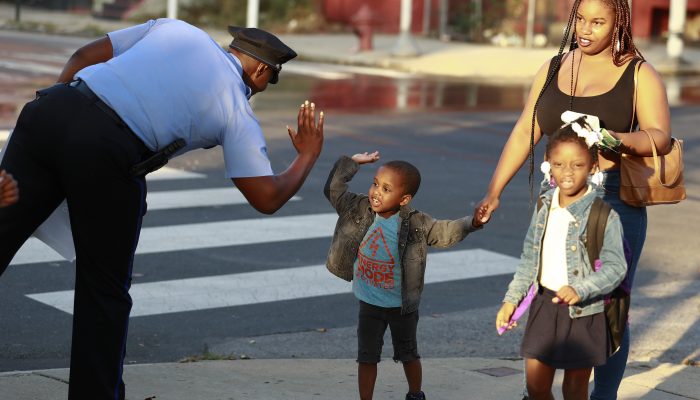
<point>620,54</point>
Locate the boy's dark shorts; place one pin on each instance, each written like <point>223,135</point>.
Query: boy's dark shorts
<point>372,324</point>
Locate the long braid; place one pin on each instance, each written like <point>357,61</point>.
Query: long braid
<point>622,33</point>
<point>553,70</point>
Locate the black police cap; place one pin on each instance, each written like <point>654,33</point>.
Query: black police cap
<point>263,46</point>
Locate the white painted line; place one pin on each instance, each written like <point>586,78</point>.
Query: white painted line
<point>59,59</point>
<point>32,67</point>
<point>316,71</point>
<point>277,285</point>
<point>387,73</point>
<point>167,173</point>
<point>339,71</point>
<point>197,198</point>
<point>206,235</point>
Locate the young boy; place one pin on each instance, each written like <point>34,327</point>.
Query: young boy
<point>380,243</point>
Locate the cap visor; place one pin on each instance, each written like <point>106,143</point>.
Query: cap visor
<point>232,30</point>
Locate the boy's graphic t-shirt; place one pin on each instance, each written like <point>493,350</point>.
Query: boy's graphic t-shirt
<point>377,270</point>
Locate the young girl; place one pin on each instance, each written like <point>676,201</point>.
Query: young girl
<point>566,327</point>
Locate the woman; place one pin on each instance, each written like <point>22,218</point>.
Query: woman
<point>596,76</point>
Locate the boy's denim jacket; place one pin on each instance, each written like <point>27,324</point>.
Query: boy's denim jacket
<point>418,231</point>
<point>589,285</point>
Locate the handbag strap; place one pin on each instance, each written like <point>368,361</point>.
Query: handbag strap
<point>634,96</point>
<point>657,168</point>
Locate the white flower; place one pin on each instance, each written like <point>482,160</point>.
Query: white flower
<point>591,137</point>
<point>597,178</point>
<point>568,117</point>
<point>590,131</point>
<point>545,167</point>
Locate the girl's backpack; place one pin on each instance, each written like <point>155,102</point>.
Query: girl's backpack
<point>617,303</point>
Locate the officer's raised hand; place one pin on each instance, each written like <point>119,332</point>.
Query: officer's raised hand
<point>308,139</point>
<point>268,194</point>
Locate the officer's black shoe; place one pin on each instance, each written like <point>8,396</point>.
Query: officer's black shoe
<point>526,397</point>
<point>415,396</point>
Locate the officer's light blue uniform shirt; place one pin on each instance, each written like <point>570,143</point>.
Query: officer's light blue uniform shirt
<point>377,267</point>
<point>171,80</point>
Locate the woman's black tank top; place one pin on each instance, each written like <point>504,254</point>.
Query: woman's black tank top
<point>613,108</point>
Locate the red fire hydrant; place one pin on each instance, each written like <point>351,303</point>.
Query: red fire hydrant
<point>362,23</point>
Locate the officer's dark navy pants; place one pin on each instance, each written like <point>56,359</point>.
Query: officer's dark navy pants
<point>65,147</point>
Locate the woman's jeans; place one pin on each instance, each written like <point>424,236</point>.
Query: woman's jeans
<point>634,227</point>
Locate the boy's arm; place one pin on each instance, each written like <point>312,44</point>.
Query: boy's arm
<point>614,264</point>
<point>336,188</point>
<point>446,233</point>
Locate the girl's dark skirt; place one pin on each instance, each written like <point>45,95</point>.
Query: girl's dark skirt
<point>554,338</point>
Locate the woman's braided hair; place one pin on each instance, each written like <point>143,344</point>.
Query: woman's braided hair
<point>620,55</point>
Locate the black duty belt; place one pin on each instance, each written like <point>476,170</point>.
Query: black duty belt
<point>157,159</point>
<point>85,90</point>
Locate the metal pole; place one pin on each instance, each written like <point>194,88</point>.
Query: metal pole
<point>479,18</point>
<point>253,9</point>
<point>676,25</point>
<point>426,17</point>
<point>172,9</point>
<point>405,46</point>
<point>18,5</point>
<point>529,30</point>
<point>443,20</point>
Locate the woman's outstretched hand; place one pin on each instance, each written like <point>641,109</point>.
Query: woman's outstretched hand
<point>485,208</point>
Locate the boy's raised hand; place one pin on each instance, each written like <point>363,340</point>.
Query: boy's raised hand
<point>503,316</point>
<point>364,158</point>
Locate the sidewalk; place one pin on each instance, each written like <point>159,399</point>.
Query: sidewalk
<point>444,379</point>
<point>466,61</point>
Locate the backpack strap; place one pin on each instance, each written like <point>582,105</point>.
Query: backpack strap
<point>595,228</point>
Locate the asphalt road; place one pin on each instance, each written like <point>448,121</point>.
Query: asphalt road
<point>452,132</point>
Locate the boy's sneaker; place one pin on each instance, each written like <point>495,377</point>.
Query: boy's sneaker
<point>415,396</point>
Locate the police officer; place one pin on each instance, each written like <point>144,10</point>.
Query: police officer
<point>123,103</point>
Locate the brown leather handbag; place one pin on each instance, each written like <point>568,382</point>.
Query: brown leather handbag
<point>655,179</point>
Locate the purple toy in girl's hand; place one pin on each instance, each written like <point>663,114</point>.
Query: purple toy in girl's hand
<point>520,309</point>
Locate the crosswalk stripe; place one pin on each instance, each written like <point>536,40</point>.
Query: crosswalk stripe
<point>167,173</point>
<point>197,198</point>
<point>203,293</point>
<point>339,71</point>
<point>207,235</point>
<point>28,66</point>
